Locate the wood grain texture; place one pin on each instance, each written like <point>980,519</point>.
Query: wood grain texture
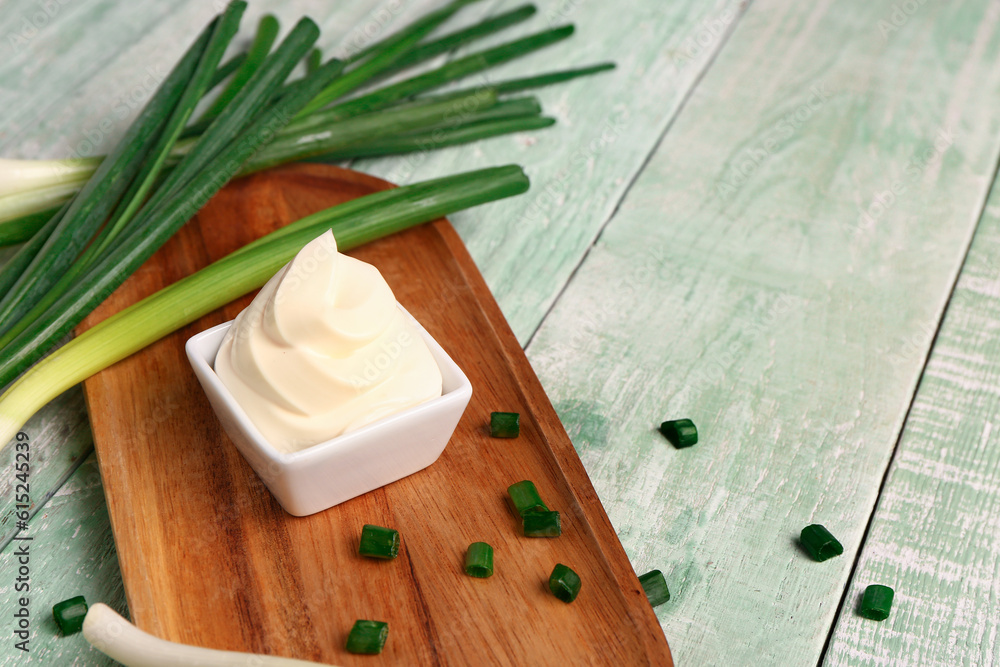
<point>199,537</point>
<point>72,553</point>
<point>935,538</point>
<point>739,286</point>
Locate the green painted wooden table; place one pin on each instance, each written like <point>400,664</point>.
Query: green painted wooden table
<point>774,218</point>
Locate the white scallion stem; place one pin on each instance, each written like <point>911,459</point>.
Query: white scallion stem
<point>112,635</point>
<point>22,175</point>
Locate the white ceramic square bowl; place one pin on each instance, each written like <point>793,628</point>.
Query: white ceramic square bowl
<point>324,475</point>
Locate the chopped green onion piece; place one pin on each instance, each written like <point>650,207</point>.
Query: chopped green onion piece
<point>681,432</point>
<point>505,424</point>
<point>876,602</point>
<point>367,637</point>
<point>479,560</point>
<point>564,583</point>
<point>379,542</point>
<point>655,587</point>
<point>69,614</point>
<point>820,544</point>
<point>541,524</point>
<point>525,497</point>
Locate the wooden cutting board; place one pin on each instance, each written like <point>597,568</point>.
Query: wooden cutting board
<point>208,557</point>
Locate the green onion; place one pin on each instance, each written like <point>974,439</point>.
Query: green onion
<point>314,60</point>
<point>524,496</point>
<point>378,542</point>
<point>542,80</point>
<point>69,614</point>
<point>267,32</point>
<point>564,583</point>
<point>541,524</point>
<point>479,560</point>
<point>820,544</point>
<point>227,68</point>
<point>460,38</point>
<point>178,198</point>
<point>147,176</point>
<point>436,139</point>
<point>24,228</point>
<point>456,69</point>
<point>26,253</point>
<point>505,424</point>
<point>680,432</point>
<point>91,206</point>
<point>367,637</point>
<point>353,223</point>
<point>655,587</point>
<point>876,603</point>
<point>382,56</point>
<point>306,142</point>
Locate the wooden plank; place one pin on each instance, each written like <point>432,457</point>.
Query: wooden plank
<point>80,98</point>
<point>198,535</point>
<point>72,553</point>
<point>935,538</point>
<point>739,286</point>
<point>607,126</point>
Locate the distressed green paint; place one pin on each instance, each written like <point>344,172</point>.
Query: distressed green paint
<point>527,247</point>
<point>738,286</point>
<point>60,439</point>
<point>72,553</point>
<point>935,538</point>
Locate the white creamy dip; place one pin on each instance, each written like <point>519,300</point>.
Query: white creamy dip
<point>323,349</point>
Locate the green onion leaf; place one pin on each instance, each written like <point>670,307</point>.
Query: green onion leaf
<point>267,32</point>
<point>456,69</point>
<point>382,55</point>
<point>460,38</point>
<point>227,68</point>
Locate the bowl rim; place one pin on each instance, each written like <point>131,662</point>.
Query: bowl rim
<point>198,344</point>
